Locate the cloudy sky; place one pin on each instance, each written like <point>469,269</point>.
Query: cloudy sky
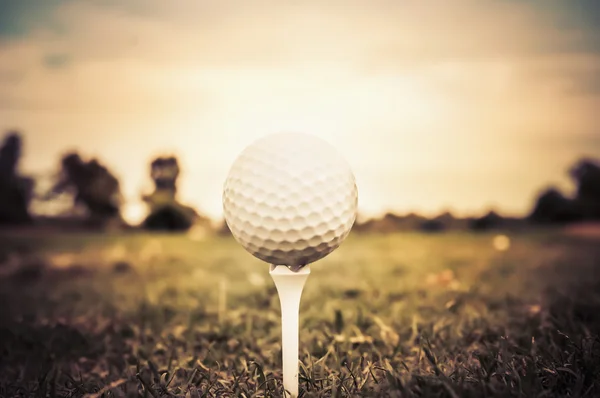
<point>461,105</point>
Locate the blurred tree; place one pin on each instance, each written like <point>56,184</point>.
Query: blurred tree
<point>553,207</point>
<point>490,221</point>
<point>15,190</point>
<point>586,174</point>
<point>432,225</point>
<point>171,217</point>
<point>10,153</point>
<point>390,222</point>
<point>447,220</point>
<point>439,223</point>
<point>166,213</point>
<point>91,185</point>
<point>164,171</point>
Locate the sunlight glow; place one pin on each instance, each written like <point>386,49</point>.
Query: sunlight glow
<point>501,243</point>
<point>134,212</point>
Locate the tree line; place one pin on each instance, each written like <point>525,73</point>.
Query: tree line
<point>93,188</point>
<point>552,207</point>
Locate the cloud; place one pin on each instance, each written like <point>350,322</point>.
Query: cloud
<point>583,84</point>
<point>582,15</point>
<point>270,33</point>
<point>577,75</point>
<point>565,147</point>
<point>57,60</point>
<point>159,51</point>
<point>20,18</point>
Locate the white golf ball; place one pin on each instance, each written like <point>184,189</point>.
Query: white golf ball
<point>290,199</point>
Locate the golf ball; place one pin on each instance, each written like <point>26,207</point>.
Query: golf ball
<point>290,199</point>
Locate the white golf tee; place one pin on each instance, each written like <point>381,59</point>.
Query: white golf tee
<point>289,286</point>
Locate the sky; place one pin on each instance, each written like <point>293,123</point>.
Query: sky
<point>463,106</point>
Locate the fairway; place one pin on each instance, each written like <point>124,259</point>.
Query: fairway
<point>405,314</point>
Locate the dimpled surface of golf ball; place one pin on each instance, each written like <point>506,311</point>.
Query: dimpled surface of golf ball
<point>290,199</point>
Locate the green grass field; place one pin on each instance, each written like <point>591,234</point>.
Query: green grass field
<point>406,315</point>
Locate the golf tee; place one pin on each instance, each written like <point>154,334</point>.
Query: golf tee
<point>289,286</point>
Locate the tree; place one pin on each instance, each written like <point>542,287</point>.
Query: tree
<point>586,174</point>
<point>164,171</point>
<point>553,207</point>
<point>10,153</point>
<point>491,220</point>
<point>432,225</point>
<point>166,213</point>
<point>92,185</point>
<point>442,222</point>
<point>172,217</point>
<point>15,190</point>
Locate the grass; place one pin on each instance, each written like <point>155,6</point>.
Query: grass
<point>401,315</point>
